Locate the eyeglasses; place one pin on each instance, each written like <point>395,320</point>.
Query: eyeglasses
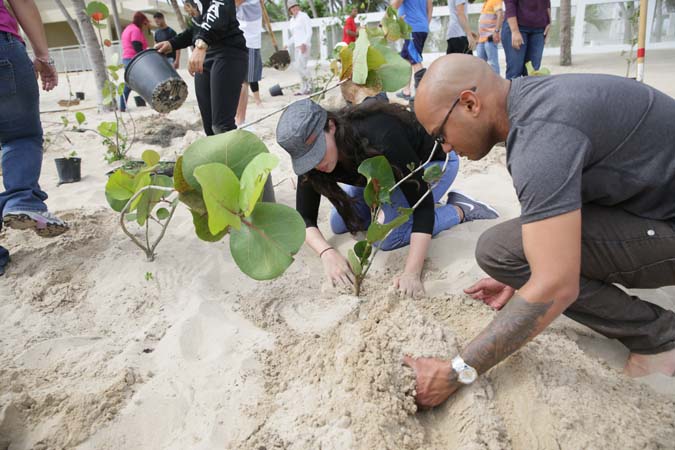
<point>438,137</point>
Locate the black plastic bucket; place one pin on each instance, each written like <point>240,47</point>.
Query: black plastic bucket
<point>154,78</point>
<point>68,169</point>
<point>276,91</point>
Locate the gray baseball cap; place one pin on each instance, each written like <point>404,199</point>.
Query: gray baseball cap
<point>300,133</point>
<point>292,3</point>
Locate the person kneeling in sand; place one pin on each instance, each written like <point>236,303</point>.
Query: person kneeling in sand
<point>328,147</point>
<point>592,159</point>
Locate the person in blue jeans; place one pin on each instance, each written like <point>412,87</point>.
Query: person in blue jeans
<point>524,34</point>
<point>22,204</point>
<point>327,148</point>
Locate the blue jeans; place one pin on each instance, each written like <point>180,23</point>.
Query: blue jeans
<point>446,215</point>
<point>488,51</point>
<point>125,95</point>
<point>531,50</point>
<point>20,129</point>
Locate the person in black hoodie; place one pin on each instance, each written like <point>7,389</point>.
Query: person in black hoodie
<point>218,62</point>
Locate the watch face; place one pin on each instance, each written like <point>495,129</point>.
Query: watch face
<point>468,375</point>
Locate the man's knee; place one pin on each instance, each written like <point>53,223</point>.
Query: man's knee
<point>497,246</point>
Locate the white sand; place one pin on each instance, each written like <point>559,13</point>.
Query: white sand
<point>94,356</point>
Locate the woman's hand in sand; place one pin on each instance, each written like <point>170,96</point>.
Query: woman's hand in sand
<point>409,284</point>
<point>433,384</point>
<point>164,47</point>
<point>337,268</point>
<point>491,292</point>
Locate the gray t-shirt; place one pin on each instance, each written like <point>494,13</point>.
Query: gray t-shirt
<point>600,139</point>
<point>454,27</point>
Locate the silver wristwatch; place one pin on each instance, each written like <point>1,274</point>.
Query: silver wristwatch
<point>465,373</point>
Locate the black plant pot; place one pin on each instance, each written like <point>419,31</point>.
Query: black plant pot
<point>276,91</point>
<point>68,169</point>
<point>79,95</point>
<point>139,101</point>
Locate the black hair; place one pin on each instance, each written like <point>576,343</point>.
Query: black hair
<point>158,15</point>
<point>353,149</point>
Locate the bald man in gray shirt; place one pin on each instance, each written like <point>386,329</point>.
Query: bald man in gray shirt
<point>592,159</point>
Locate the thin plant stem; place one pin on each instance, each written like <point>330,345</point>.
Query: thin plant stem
<point>267,116</point>
<point>149,250</point>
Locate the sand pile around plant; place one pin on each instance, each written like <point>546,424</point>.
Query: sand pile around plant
<point>341,385</point>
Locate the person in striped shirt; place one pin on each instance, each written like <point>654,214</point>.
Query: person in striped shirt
<point>489,27</point>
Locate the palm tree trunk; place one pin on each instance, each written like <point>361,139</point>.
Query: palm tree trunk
<point>565,32</point>
<point>73,24</point>
<point>179,15</point>
<point>116,19</point>
<point>93,49</point>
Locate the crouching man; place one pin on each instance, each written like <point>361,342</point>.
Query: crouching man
<point>592,159</point>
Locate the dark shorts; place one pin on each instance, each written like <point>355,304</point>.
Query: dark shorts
<point>458,45</point>
<point>412,48</point>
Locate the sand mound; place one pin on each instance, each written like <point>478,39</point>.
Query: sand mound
<point>341,385</point>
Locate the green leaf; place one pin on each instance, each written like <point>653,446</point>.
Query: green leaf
<point>106,92</point>
<point>150,157</point>
<point>97,7</point>
<point>264,246</point>
<point>377,231</point>
<point>114,75</point>
<point>179,182</point>
<point>141,180</point>
<point>120,186</point>
<point>354,262</point>
<point>107,129</point>
<point>347,61</point>
<point>391,28</point>
<point>360,69</point>
<point>201,223</point>
<point>432,174</point>
<point>405,29</point>
<point>253,180</point>
<point>79,116</point>
<point>395,72</point>
<point>220,189</point>
<point>374,33</point>
<point>64,121</point>
<point>194,201</point>
<point>375,58</point>
<point>162,213</point>
<point>363,250</point>
<point>150,198</point>
<point>235,149</point>
<point>377,171</point>
<point>131,217</point>
<point>120,89</point>
<point>370,195</point>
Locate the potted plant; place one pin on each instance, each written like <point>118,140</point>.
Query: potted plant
<point>68,168</point>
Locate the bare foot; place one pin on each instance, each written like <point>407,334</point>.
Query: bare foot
<point>642,365</point>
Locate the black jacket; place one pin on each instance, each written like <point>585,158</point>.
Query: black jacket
<point>217,26</point>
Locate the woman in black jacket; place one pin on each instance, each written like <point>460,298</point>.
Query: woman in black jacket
<point>218,62</point>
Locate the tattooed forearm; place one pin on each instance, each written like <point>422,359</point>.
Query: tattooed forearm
<point>514,325</point>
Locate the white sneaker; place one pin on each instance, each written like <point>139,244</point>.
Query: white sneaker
<point>44,223</point>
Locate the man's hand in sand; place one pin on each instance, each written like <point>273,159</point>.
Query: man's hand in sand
<point>164,47</point>
<point>491,292</point>
<point>337,268</point>
<point>409,284</point>
<point>434,384</point>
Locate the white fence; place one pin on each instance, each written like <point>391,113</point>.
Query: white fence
<point>599,26</point>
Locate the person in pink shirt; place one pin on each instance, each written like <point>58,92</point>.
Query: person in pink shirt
<point>133,42</point>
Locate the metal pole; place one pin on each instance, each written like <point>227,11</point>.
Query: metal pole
<point>642,32</point>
